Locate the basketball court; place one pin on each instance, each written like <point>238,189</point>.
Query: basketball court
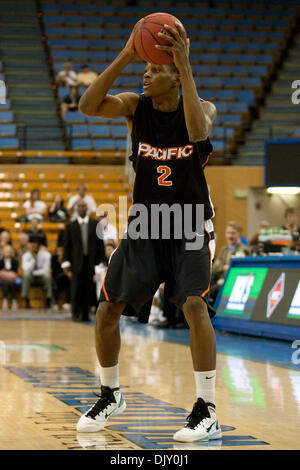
<point>49,373</point>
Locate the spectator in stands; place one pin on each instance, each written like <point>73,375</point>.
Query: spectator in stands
<point>56,211</point>
<point>36,232</point>
<point>5,239</point>
<point>8,277</point>
<point>70,101</point>
<point>86,76</point>
<point>81,196</point>
<point>233,248</point>
<point>60,281</point>
<point>83,250</point>
<point>291,224</point>
<point>36,268</point>
<point>109,230</point>
<point>34,206</point>
<point>23,246</point>
<point>67,76</point>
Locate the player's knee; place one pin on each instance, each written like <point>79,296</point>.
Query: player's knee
<point>107,315</point>
<point>194,309</point>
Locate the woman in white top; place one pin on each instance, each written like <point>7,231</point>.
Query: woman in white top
<point>34,206</point>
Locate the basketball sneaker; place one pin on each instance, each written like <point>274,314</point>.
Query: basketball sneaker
<point>110,403</point>
<point>201,424</point>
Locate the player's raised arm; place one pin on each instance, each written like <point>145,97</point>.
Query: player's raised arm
<point>96,102</point>
<point>198,114</point>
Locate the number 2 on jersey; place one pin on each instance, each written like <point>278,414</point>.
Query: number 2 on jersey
<point>166,171</point>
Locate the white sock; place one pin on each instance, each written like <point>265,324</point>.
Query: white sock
<point>205,385</point>
<point>109,376</point>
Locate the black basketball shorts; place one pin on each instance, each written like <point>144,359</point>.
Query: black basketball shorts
<point>137,268</point>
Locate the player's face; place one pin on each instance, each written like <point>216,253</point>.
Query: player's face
<point>158,80</point>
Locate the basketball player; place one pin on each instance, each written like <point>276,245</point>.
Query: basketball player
<point>170,148</point>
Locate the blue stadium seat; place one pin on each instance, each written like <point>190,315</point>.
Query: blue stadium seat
<point>249,82</point>
<point>240,70</point>
<point>53,20</point>
<point>211,82</point>
<point>78,130</point>
<point>97,55</point>
<point>6,116</point>
<point>119,131</point>
<point>220,132</point>
<point>228,58</point>
<point>104,144</point>
<point>222,106</point>
<point>96,43</point>
<point>264,59</point>
<point>8,130</point>
<point>246,58</point>
<point>202,69</point>
<point>81,43</point>
<point>74,117</point>
<point>93,20</point>
<point>91,32</point>
<point>297,132</point>
<point>74,20</point>
<point>221,70</point>
<point>87,9</point>
<point>54,31</point>
<point>9,143</point>
<point>73,32</point>
<point>230,119</point>
<point>209,95</point>
<point>246,96</point>
<point>225,95</point>
<point>232,82</point>
<point>212,46</point>
<point>258,70</point>
<point>99,130</point>
<point>208,58</point>
<point>57,42</point>
<point>81,144</point>
<point>218,145</point>
<point>238,107</point>
<point>78,55</point>
<point>121,144</point>
<point>60,54</point>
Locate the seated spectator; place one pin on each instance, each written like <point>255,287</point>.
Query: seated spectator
<point>56,211</point>
<point>67,76</point>
<point>23,246</point>
<point>82,195</point>
<point>70,101</point>
<point>36,232</point>
<point>233,248</point>
<point>5,239</point>
<point>34,206</point>
<point>291,224</point>
<point>36,271</point>
<point>60,281</point>
<point>86,76</point>
<point>109,230</point>
<point>8,277</point>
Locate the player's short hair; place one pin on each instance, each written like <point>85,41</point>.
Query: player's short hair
<point>172,68</point>
<point>234,225</point>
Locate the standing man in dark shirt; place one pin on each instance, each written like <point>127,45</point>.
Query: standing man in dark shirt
<point>170,148</point>
<point>83,250</point>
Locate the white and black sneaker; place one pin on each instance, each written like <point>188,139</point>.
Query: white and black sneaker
<point>202,424</point>
<point>110,403</point>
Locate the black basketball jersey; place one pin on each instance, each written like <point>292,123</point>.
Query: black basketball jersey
<point>169,168</point>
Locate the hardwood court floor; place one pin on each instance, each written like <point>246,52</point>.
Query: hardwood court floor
<point>49,371</point>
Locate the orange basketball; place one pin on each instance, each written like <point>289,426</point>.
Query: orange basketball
<point>146,36</point>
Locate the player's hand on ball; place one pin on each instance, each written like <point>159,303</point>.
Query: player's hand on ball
<point>180,44</point>
<point>129,47</point>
